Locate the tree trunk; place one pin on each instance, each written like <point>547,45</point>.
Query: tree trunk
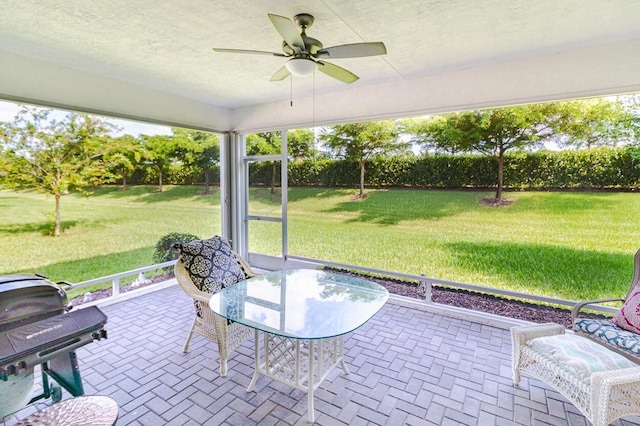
<point>206,181</point>
<point>361,179</point>
<point>500,176</point>
<point>56,230</point>
<point>160,181</point>
<point>273,178</point>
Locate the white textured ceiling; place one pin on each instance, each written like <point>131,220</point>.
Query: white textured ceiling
<point>56,52</point>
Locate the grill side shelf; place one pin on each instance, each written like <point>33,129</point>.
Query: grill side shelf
<point>35,343</point>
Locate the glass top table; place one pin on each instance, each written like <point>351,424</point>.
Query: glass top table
<point>301,303</point>
<point>302,316</point>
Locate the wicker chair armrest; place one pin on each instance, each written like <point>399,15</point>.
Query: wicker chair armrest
<point>616,377</point>
<point>611,385</point>
<point>187,285</point>
<point>578,307</point>
<point>201,296</point>
<point>523,333</point>
<point>244,265</point>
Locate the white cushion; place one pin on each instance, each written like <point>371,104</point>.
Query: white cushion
<point>579,354</point>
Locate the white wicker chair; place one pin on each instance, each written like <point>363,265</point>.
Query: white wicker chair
<point>209,325</point>
<point>603,397</point>
<point>593,328</point>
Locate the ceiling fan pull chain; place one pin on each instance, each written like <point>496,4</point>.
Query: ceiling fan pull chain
<point>291,91</point>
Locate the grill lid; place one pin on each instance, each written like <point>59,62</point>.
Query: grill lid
<point>29,298</point>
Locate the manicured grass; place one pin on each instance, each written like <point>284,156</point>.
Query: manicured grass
<point>569,245</point>
<point>108,232</point>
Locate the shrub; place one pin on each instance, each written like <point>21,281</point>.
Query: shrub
<point>165,252</point>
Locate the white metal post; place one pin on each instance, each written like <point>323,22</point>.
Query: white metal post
<point>115,286</point>
<point>226,192</point>
<point>239,178</point>
<point>284,184</point>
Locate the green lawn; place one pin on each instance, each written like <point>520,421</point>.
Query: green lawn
<point>108,232</point>
<point>571,245</point>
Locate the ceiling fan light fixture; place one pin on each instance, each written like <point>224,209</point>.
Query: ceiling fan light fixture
<point>301,67</point>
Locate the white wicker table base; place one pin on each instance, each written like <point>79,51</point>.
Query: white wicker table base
<point>302,364</point>
<point>602,398</point>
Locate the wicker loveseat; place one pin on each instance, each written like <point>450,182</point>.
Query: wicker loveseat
<point>623,340</point>
<point>226,334</point>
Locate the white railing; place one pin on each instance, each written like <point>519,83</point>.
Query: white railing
<point>115,278</point>
<point>428,283</point>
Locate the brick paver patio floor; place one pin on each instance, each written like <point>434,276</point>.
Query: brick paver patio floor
<point>408,367</point>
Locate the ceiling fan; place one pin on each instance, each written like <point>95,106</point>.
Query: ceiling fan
<point>306,53</point>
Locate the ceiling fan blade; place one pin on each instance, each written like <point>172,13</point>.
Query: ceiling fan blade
<point>355,50</point>
<point>252,52</point>
<point>288,31</point>
<point>281,74</point>
<point>337,72</point>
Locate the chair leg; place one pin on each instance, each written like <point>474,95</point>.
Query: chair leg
<point>223,367</point>
<point>220,325</point>
<point>185,348</point>
<point>516,377</point>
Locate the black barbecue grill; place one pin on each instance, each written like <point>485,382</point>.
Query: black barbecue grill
<point>38,328</point>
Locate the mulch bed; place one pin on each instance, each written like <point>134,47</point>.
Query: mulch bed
<point>512,308</point>
<point>101,294</point>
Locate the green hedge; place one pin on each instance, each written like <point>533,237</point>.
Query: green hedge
<point>176,175</point>
<point>599,168</point>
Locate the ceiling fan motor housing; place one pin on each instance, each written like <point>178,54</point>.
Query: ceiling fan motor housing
<point>303,20</point>
<point>311,45</point>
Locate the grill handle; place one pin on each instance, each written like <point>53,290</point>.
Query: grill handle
<point>68,346</point>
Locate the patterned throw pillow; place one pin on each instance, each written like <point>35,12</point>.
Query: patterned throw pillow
<point>210,264</point>
<point>611,333</point>
<point>629,315</point>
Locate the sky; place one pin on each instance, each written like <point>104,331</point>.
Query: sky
<point>8,111</point>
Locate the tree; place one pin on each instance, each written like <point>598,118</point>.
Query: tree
<point>599,122</point>
<point>361,141</point>
<point>196,148</point>
<point>4,155</point>
<point>53,156</point>
<point>300,144</point>
<point>125,156</point>
<point>592,122</point>
<point>495,131</point>
<point>266,143</point>
<point>159,153</point>
<point>438,134</point>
